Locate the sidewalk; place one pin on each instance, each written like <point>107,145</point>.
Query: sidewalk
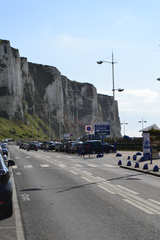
<point>124,161</point>
<point>150,165</point>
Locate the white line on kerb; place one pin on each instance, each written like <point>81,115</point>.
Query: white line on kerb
<point>19,227</point>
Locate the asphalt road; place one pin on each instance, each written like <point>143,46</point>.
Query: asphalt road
<point>66,197</point>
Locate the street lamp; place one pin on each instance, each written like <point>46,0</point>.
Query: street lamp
<point>124,124</point>
<point>113,85</point>
<point>142,122</point>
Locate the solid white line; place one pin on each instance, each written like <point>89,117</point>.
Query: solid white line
<point>154,201</point>
<point>138,206</point>
<point>104,188</point>
<point>128,190</point>
<point>18,219</point>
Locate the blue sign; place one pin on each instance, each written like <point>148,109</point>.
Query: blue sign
<point>102,129</point>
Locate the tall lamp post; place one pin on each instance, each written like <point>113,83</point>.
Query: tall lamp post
<point>113,84</point>
<point>142,122</point>
<point>124,124</point>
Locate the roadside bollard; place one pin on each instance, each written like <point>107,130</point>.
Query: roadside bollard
<point>141,159</point>
<point>129,163</point>
<point>119,162</point>
<point>156,168</point>
<point>136,165</point>
<point>134,157</point>
<point>118,155</point>
<point>138,153</point>
<point>145,167</point>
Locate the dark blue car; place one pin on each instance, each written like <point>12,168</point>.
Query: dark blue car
<point>5,189</point>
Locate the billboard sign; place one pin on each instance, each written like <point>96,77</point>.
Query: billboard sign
<point>102,129</point>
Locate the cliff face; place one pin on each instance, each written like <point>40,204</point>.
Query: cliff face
<point>67,106</point>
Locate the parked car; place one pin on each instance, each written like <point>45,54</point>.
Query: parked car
<point>32,146</point>
<point>108,148</point>
<point>58,147</point>
<point>6,208</point>
<point>5,151</point>
<point>91,147</point>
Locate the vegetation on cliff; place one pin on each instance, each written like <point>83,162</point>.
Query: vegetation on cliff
<point>33,128</point>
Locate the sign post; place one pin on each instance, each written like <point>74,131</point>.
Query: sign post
<point>102,130</point>
<point>146,146</point>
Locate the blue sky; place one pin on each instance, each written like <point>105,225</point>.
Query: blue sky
<point>72,35</point>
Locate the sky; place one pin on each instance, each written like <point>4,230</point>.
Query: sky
<point>73,35</point>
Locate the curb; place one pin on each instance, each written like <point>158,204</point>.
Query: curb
<point>143,171</point>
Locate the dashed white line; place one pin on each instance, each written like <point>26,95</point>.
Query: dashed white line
<point>44,165</point>
<point>92,165</point>
<point>28,166</point>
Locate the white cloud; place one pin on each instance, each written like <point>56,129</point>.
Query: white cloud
<point>142,100</point>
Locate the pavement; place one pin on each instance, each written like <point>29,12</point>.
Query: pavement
<point>149,163</point>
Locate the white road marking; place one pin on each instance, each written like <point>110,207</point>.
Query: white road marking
<point>92,165</point>
<point>25,197</point>
<point>105,188</point>
<point>15,167</point>
<point>126,189</point>
<point>62,165</point>
<point>44,165</point>
<point>73,172</point>
<point>154,201</point>
<point>100,179</point>
<point>18,173</point>
<point>18,219</point>
<point>17,157</point>
<point>87,173</point>
<point>87,179</point>
<point>78,165</point>
<point>144,209</point>
<point>28,166</point>
<point>110,166</point>
<point>28,157</point>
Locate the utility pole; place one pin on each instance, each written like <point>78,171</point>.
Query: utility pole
<point>113,84</point>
